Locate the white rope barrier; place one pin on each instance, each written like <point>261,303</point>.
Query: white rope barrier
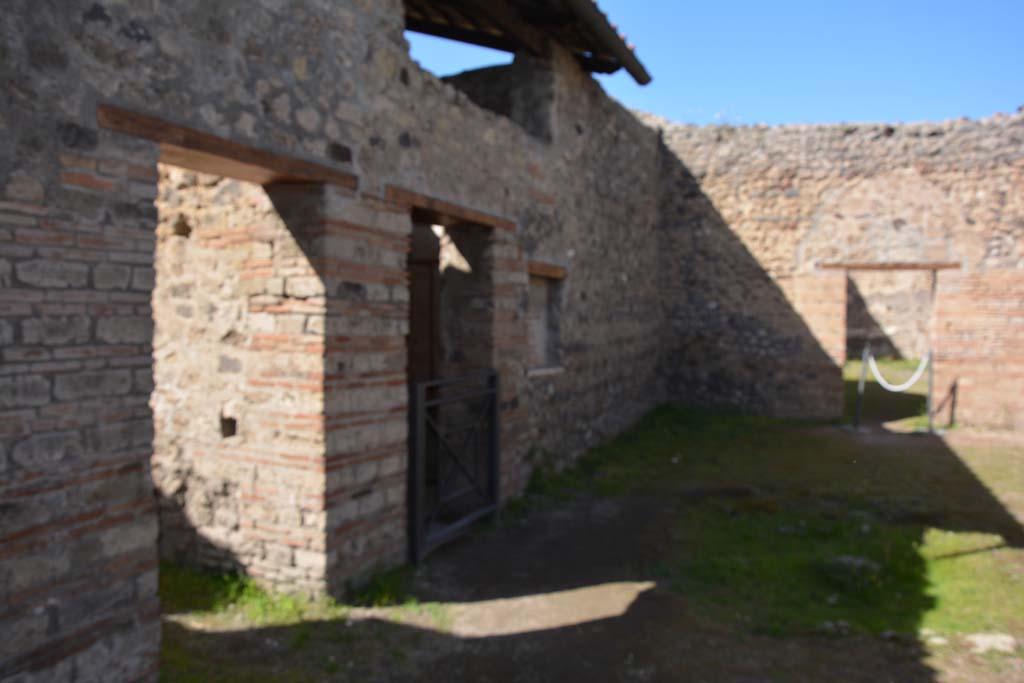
<point>899,387</point>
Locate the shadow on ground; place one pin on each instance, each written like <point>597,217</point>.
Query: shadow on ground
<point>695,547</point>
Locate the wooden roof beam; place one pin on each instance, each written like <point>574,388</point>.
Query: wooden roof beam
<point>603,32</point>
<point>601,65</point>
<point>461,35</point>
<point>458,19</point>
<point>502,15</point>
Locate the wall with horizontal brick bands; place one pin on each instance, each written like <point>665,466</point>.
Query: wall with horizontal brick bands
<point>365,387</point>
<point>282,310</point>
<point>791,198</point>
<point>240,312</point>
<point>979,341</point>
<point>509,356</point>
<point>78,561</point>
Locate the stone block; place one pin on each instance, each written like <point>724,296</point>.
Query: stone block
<point>47,273</point>
<point>142,381</point>
<point>27,627</point>
<point>41,451</point>
<point>30,570</point>
<point>314,561</point>
<point>125,329</point>
<point>80,385</point>
<point>56,331</point>
<point>111,276</point>
<point>371,503</point>
<point>24,188</point>
<point>143,278</point>
<point>22,391</point>
<point>279,555</point>
<point>304,287</point>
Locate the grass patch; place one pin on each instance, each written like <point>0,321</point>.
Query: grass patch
<point>785,527</point>
<point>386,589</point>
<point>977,582</point>
<point>183,589</point>
<point>281,637</point>
<point>186,590</point>
<point>793,571</point>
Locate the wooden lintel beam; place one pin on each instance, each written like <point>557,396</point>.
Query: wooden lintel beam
<point>208,153</point>
<point>891,265</point>
<point>444,211</point>
<point>547,270</point>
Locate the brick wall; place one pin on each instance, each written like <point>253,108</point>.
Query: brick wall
<point>361,258</point>
<point>78,563</point>
<point>684,281</point>
<point>893,310</point>
<point>238,368</point>
<point>741,336</point>
<point>590,206</point>
<point>794,197</point>
<point>979,369</point>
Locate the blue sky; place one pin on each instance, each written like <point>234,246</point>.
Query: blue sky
<point>795,61</point>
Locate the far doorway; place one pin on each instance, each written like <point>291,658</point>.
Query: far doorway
<point>453,389</point>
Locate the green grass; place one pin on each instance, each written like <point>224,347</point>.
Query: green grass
<point>977,582</point>
<point>394,589</point>
<point>187,590</point>
<point>297,638</point>
<point>767,506</point>
<point>779,572</point>
<point>386,589</point>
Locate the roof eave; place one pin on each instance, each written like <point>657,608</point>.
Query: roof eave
<point>602,30</point>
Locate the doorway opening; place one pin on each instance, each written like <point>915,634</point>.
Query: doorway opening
<point>890,339</point>
<point>237,302</point>
<point>453,388</point>
<point>237,392</point>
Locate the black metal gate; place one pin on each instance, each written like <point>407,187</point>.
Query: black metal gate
<point>454,464</point>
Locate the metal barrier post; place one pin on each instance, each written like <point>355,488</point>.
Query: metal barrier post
<point>417,476</point>
<point>494,483</point>
<point>931,353</point>
<point>931,392</point>
<point>864,356</point>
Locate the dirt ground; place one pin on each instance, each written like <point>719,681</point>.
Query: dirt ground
<point>615,572</point>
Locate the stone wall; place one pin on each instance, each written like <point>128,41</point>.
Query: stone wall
<point>980,342</point>
<point>688,268</point>
<point>238,448</point>
<point>78,575</point>
<point>798,196</point>
<point>326,82</point>
<point>891,310</point>
<point>740,336</point>
<point>591,207</point>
